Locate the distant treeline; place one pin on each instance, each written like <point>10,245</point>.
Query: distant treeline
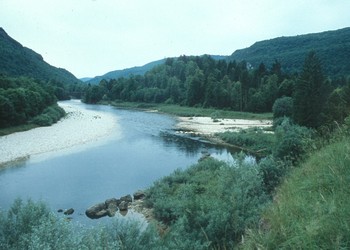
<point>205,82</point>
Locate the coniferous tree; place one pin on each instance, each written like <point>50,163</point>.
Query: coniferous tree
<point>311,93</point>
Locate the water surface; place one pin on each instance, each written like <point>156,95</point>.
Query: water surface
<point>144,149</point>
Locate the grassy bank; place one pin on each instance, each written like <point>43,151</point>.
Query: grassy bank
<point>192,111</point>
<point>312,208</point>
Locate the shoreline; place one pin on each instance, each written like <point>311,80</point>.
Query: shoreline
<point>79,127</point>
<point>208,127</point>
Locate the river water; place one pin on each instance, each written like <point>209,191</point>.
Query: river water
<point>145,148</point>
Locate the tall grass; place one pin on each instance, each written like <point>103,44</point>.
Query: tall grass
<point>312,208</point>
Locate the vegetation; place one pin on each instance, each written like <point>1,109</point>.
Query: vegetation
<point>24,100</point>
<point>192,111</point>
<point>311,209</point>
<point>209,204</point>
<point>30,88</point>
<point>255,141</point>
<point>126,72</point>
<point>310,99</point>
<point>31,225</point>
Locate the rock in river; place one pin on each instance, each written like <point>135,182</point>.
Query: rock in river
<point>139,195</point>
<point>123,206</point>
<point>69,211</point>
<point>126,198</point>
<point>97,211</point>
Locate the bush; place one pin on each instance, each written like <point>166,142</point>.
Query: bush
<point>49,116</point>
<point>210,204</point>
<point>43,120</point>
<point>253,140</point>
<point>31,225</point>
<point>283,107</point>
<point>272,172</point>
<point>292,141</point>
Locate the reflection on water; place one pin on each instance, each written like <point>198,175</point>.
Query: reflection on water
<point>148,149</point>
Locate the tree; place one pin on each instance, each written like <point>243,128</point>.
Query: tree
<point>311,92</point>
<point>195,90</point>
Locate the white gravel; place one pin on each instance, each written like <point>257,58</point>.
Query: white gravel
<point>80,126</point>
<point>208,126</point>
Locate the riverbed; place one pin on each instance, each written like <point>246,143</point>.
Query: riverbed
<point>139,148</point>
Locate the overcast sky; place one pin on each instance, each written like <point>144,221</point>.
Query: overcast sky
<point>93,37</point>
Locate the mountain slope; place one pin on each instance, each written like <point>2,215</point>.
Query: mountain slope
<point>332,47</point>
<point>138,70</point>
<point>16,60</point>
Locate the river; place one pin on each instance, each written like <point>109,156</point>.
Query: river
<point>145,148</point>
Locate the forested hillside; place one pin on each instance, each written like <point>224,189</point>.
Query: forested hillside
<point>16,60</point>
<point>332,47</point>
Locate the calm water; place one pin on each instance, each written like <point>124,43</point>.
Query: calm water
<point>147,149</point>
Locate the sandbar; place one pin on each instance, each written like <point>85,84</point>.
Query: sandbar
<point>79,126</point>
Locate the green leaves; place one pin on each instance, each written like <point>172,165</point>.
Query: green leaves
<point>212,203</point>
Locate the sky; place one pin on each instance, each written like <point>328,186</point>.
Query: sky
<point>93,37</point>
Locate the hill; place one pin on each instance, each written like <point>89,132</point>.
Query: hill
<point>332,47</point>
<point>137,70</point>
<point>17,60</point>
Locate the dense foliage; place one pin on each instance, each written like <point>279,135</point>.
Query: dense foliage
<point>205,82</point>
<point>31,225</point>
<point>209,204</point>
<point>24,99</point>
<point>195,81</point>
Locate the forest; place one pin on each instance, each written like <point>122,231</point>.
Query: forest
<point>310,97</point>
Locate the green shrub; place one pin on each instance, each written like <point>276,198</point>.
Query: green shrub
<point>272,172</point>
<point>31,225</point>
<point>283,107</point>
<point>253,140</point>
<point>49,116</point>
<point>209,204</point>
<point>292,141</point>
<point>43,120</point>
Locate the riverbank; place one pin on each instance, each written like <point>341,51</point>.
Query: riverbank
<point>80,126</point>
<point>207,126</point>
